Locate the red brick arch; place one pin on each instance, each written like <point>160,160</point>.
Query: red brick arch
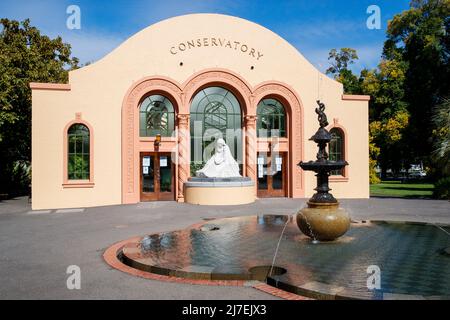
<point>181,96</point>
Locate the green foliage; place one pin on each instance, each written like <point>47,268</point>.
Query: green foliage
<point>195,167</point>
<point>25,56</point>
<point>402,190</point>
<point>442,189</point>
<point>412,78</point>
<point>78,166</point>
<point>339,61</point>
<point>374,152</point>
<point>441,136</point>
<point>388,110</point>
<point>420,37</point>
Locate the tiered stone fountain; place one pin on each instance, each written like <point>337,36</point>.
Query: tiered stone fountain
<point>323,220</point>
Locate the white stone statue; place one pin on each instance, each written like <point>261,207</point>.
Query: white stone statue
<point>221,164</point>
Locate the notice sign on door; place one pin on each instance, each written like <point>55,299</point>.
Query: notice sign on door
<point>279,162</point>
<point>260,171</point>
<point>163,161</point>
<point>260,160</point>
<point>145,170</point>
<point>146,161</point>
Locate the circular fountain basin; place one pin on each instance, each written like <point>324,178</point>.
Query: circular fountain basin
<point>408,255</point>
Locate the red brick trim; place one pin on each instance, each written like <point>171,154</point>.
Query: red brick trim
<point>110,257</point>
<point>279,293</point>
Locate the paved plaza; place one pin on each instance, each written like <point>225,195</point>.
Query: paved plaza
<point>38,246</point>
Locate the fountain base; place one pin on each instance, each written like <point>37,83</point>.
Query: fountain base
<point>323,221</point>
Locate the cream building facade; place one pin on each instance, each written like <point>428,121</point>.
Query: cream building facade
<point>134,125</point>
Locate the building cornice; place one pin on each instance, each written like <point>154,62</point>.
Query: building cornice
<point>50,86</point>
<point>355,97</point>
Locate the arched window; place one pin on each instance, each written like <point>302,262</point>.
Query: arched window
<point>215,113</point>
<point>156,116</point>
<point>336,149</point>
<point>271,119</point>
<point>78,160</point>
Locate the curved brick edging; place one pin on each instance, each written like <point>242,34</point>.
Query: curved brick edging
<point>111,258</point>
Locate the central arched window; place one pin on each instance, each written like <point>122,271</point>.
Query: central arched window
<point>156,116</point>
<point>336,149</point>
<point>78,160</point>
<point>215,113</point>
<point>271,119</point>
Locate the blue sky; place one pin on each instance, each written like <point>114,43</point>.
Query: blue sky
<point>313,27</point>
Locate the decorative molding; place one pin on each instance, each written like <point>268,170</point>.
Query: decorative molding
<point>78,184</point>
<point>130,128</point>
<point>292,103</point>
<point>355,97</point>
<point>181,95</point>
<point>223,77</point>
<point>183,153</point>
<point>250,146</point>
<point>50,86</point>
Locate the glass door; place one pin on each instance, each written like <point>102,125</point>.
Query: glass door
<point>156,177</point>
<point>271,170</point>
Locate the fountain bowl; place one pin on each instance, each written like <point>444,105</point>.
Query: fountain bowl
<point>323,221</point>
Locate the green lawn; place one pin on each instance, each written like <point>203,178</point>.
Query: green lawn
<point>402,190</point>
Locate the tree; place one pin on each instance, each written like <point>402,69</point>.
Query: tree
<point>388,113</point>
<point>340,61</point>
<point>441,137</point>
<point>25,56</point>
<point>420,36</point>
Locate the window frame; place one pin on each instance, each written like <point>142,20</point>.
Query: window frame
<point>171,115</point>
<point>273,117</point>
<point>199,110</point>
<point>343,177</point>
<point>77,183</point>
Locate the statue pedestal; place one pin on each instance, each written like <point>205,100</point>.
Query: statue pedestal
<point>219,191</point>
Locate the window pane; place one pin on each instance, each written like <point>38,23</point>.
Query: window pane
<point>262,172</point>
<point>156,117</point>
<point>71,144</point>
<point>271,117</point>
<point>336,149</point>
<point>215,112</point>
<point>165,178</point>
<point>78,152</point>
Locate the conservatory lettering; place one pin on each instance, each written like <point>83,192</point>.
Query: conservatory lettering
<point>243,48</point>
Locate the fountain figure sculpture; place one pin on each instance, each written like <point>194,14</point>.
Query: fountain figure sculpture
<point>323,219</point>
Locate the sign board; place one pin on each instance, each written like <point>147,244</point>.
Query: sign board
<point>145,170</point>
<point>146,161</point>
<point>260,160</point>
<point>163,161</point>
<point>260,171</point>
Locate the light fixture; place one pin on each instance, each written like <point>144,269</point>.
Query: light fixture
<point>157,141</point>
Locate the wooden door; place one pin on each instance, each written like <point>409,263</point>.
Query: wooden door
<point>157,177</point>
<point>272,174</point>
